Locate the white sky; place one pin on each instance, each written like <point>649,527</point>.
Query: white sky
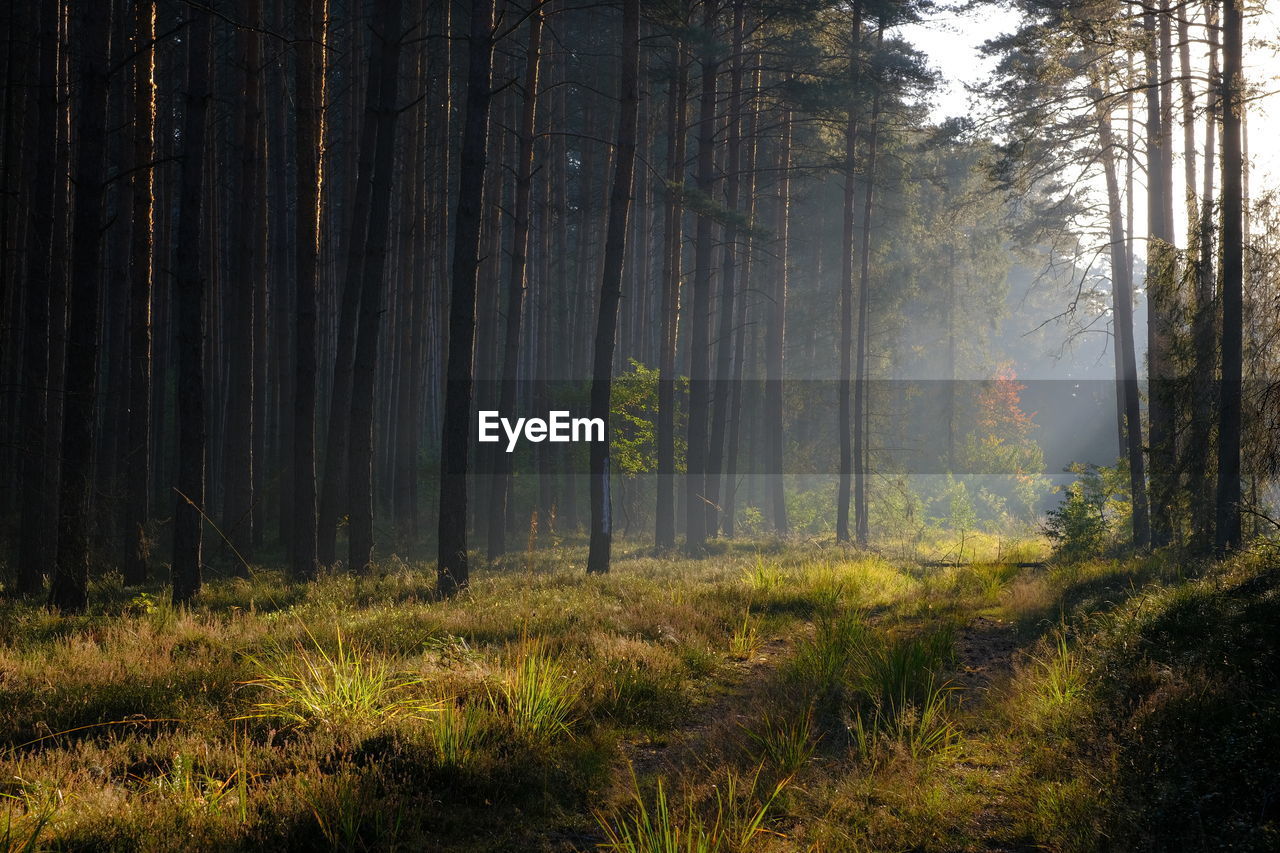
<point>952,43</point>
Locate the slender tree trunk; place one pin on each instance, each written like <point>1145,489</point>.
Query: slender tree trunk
<point>69,586</point>
<point>238,460</point>
<point>744,319</point>
<point>1203,323</point>
<point>1160,275</point>
<point>846,279</point>
<point>1227,528</point>
<point>308,28</point>
<point>615,249</point>
<point>775,337</point>
<point>1122,305</point>
<point>334,486</point>
<point>189,295</point>
<point>724,343</point>
<point>860,407</point>
<point>35,559</point>
<point>700,318</point>
<point>516,283</point>
<point>384,62</point>
<point>451,563</point>
<point>137,459</point>
<point>673,239</point>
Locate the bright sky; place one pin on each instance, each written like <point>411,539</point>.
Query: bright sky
<point>952,43</point>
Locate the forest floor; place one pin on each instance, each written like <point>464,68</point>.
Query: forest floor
<point>764,697</point>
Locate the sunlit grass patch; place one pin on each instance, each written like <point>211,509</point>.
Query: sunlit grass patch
<point>786,742</point>
<point>536,692</point>
<point>347,688</point>
<point>733,822</point>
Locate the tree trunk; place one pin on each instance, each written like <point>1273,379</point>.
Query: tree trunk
<point>308,29</point>
<point>69,586</point>
<point>1122,305</point>
<point>700,318</point>
<point>1159,286</point>
<point>615,248</point>
<point>1227,528</point>
<point>451,563</point>
<point>238,460</point>
<point>34,557</point>
<point>1203,322</point>
<point>190,311</point>
<point>775,337</point>
<point>384,62</point>
<point>724,343</point>
<point>740,339</point>
<point>860,407</point>
<point>846,279</point>
<point>516,284</point>
<point>673,240</point>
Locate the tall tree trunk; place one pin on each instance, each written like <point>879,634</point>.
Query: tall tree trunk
<point>384,62</point>
<point>615,248</point>
<point>516,283</point>
<point>190,311</point>
<point>673,240</point>
<point>43,329</point>
<point>334,488</point>
<point>137,458</point>
<point>69,586</point>
<point>846,280</point>
<point>1160,276</point>
<point>775,336</point>
<point>308,30</point>
<point>451,563</point>
<point>1203,323</point>
<point>1122,305</point>
<point>238,461</point>
<point>724,343</point>
<point>740,339</point>
<point>860,438</point>
<point>700,317</point>
<point>1227,528</point>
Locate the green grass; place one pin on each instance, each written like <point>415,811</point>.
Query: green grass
<point>1138,709</point>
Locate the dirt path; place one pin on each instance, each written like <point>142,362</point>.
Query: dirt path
<point>726,710</point>
<point>985,649</point>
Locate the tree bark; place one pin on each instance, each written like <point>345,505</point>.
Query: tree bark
<point>384,62</point>
<point>189,295</point>
<point>846,289</point>
<point>860,407</point>
<point>775,337</point>
<point>673,240</point>
<point>699,355</point>
<point>451,565</point>
<point>308,30</point>
<point>1122,305</point>
<point>69,585</point>
<point>35,559</point>
<point>516,283</point>
<point>724,342</point>
<point>615,249</point>
<point>1227,527</point>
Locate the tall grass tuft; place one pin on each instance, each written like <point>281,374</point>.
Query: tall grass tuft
<point>457,735</point>
<point>24,823</point>
<point>903,700</point>
<point>785,742</point>
<point>346,689</point>
<point>737,823</point>
<point>537,695</point>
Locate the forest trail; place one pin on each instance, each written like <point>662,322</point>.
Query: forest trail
<point>716,722</point>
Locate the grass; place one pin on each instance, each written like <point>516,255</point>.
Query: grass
<point>345,689</point>
<point>1137,710</point>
